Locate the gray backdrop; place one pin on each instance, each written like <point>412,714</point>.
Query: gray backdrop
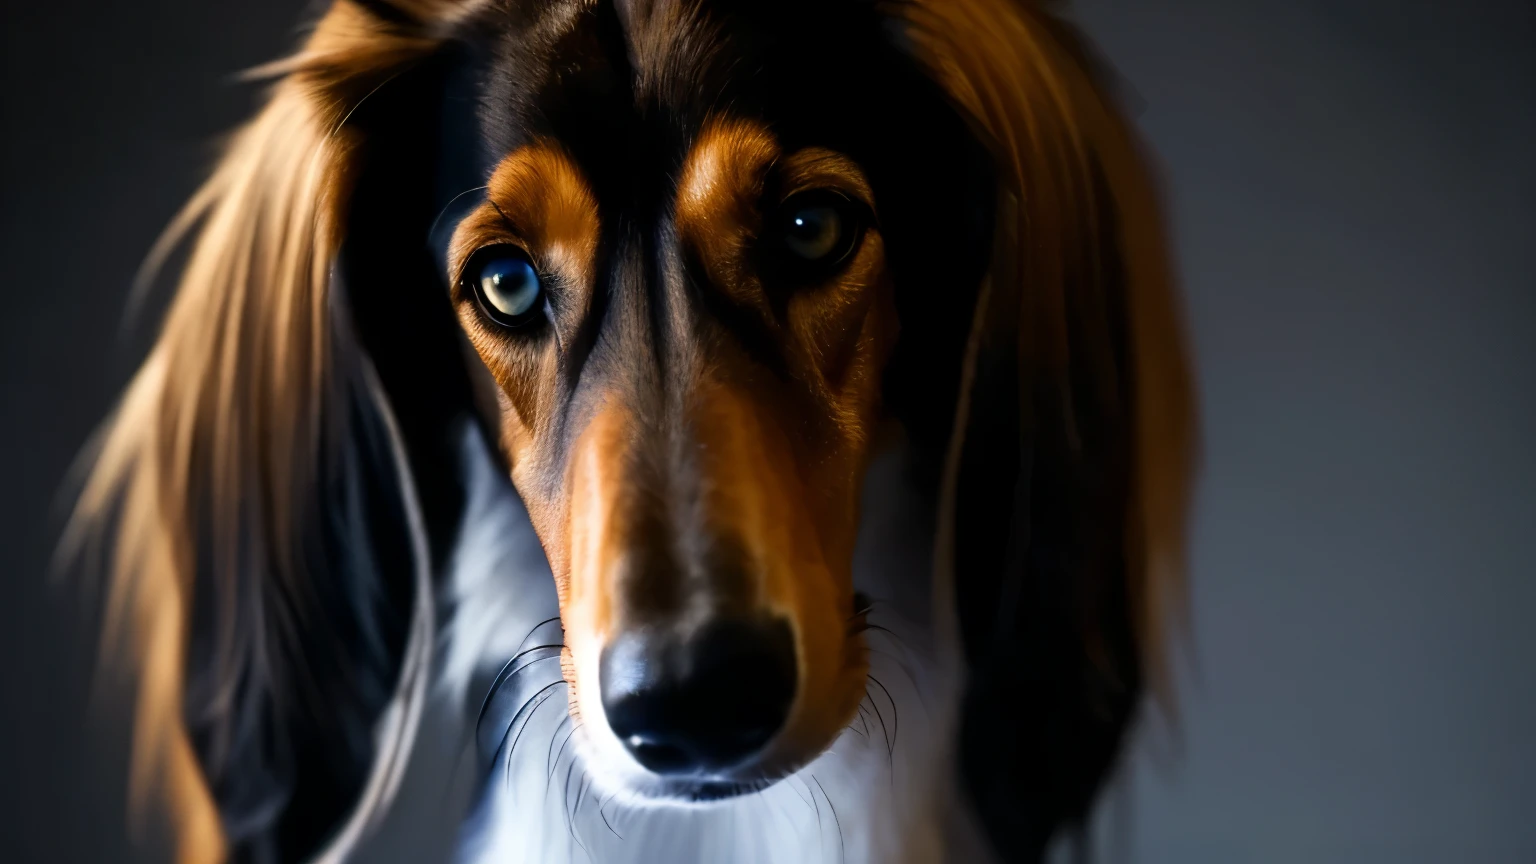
<point>1355,207</point>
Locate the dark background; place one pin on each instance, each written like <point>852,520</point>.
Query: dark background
<point>1354,198</point>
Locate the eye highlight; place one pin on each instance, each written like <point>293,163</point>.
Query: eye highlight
<point>505,284</point>
<point>815,231</point>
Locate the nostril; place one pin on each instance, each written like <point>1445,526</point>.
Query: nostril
<point>711,701</point>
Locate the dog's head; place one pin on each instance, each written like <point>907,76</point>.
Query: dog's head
<point>710,248</point>
<point>679,280</point>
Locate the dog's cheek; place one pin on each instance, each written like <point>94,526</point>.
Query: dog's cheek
<point>839,326</point>
<point>848,333</point>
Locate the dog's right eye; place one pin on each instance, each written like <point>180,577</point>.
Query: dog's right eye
<point>505,284</point>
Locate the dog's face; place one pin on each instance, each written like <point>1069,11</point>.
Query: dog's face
<point>679,282</point>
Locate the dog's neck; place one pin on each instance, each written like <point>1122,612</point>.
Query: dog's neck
<point>883,792</point>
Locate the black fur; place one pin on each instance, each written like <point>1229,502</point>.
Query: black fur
<point>1039,554</point>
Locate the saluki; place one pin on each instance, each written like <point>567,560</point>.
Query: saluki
<point>770,419</point>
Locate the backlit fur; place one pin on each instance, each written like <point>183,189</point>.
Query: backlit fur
<point>207,476</point>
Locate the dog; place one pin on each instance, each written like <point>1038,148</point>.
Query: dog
<point>771,419</point>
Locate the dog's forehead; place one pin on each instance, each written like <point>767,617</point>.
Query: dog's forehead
<point>623,85</point>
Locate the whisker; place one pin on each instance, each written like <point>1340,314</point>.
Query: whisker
<point>818,810</point>
<point>890,749</point>
<point>468,734</point>
<point>895,713</point>
<point>549,757</point>
<point>506,672</point>
<point>863,615</point>
<point>565,799</point>
<point>570,812</point>
<point>546,696</point>
<point>561,752</point>
<point>366,97</point>
<point>803,799</point>
<point>581,789</point>
<point>842,851</point>
<point>897,637</point>
<point>600,805</point>
<point>553,618</point>
<point>433,231</point>
<point>507,764</point>
<point>501,682</point>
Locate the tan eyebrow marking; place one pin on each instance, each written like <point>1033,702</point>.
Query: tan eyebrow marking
<point>725,169</point>
<point>538,199</point>
<point>725,173</point>
<point>719,190</point>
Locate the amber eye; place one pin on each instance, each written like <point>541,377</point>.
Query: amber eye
<point>505,284</point>
<point>815,231</point>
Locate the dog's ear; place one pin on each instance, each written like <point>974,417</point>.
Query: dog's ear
<point>269,551</point>
<point>1064,497</point>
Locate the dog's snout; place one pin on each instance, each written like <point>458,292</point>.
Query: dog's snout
<point>704,703</point>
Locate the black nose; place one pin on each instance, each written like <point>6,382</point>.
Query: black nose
<point>708,702</point>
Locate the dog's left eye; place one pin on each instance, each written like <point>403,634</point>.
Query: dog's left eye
<point>505,284</point>
<point>817,229</point>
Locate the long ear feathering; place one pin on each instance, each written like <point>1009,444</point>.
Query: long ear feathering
<point>1081,291</point>
<point>208,472</point>
<point>1027,83</point>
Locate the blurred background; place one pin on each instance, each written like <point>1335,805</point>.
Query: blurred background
<point>1353,191</point>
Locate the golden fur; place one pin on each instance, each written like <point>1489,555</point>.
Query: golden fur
<point>1035,100</point>
<point>223,419</point>
<point>223,423</point>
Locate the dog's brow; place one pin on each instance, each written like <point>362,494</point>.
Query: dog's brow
<point>816,167</point>
<point>727,162</point>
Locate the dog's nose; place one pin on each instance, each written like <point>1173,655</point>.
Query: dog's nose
<point>704,703</point>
